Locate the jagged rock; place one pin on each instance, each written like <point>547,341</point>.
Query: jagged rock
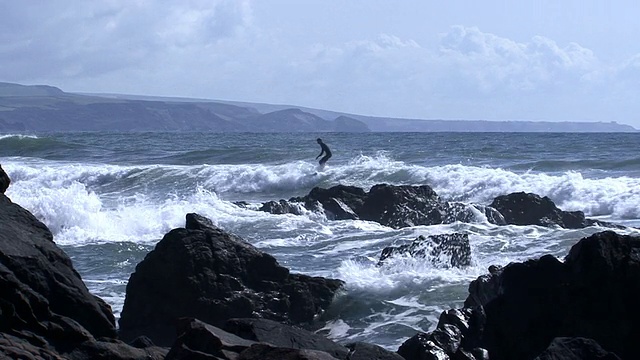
<point>274,333</point>
<point>340,202</point>
<point>39,280</point>
<point>46,311</point>
<point>455,337</point>
<point>516,311</point>
<point>267,352</point>
<point>263,339</point>
<point>365,351</point>
<point>563,348</point>
<point>408,205</point>
<point>403,206</point>
<point>389,205</point>
<point>421,347</point>
<point>443,249</point>
<point>4,180</point>
<point>591,294</point>
<point>203,272</point>
<point>485,288</point>
<point>197,339</point>
<point>281,207</point>
<point>530,209</point>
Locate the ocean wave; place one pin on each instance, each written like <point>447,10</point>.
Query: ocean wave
<point>35,146</point>
<point>97,199</point>
<point>632,163</point>
<point>18,136</point>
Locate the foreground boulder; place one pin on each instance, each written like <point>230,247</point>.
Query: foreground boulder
<point>264,339</point>
<point>4,181</point>
<point>563,348</point>
<point>200,271</point>
<point>592,294</point>
<point>443,250</point>
<point>46,310</point>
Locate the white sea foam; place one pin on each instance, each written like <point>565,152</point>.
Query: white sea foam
<point>98,202</point>
<point>19,136</point>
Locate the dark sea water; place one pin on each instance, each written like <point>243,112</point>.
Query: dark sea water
<point>109,198</point>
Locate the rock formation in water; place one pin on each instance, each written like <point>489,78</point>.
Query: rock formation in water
<point>442,250</point>
<point>203,272</point>
<point>409,205</point>
<point>541,307</point>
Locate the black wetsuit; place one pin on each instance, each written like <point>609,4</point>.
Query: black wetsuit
<point>326,151</point>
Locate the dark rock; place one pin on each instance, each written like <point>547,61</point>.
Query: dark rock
<point>563,348</point>
<point>267,352</point>
<point>141,342</point>
<point>403,206</point>
<point>13,347</point>
<point>46,311</point>
<point>389,205</point>
<point>264,339</point>
<point>206,273</point>
<point>365,351</point>
<point>112,349</point>
<point>4,180</point>
<point>591,294</point>
<point>280,335</point>
<point>485,288</point>
<point>531,209</point>
<point>281,207</point>
<point>39,279</point>
<point>340,202</point>
<point>452,249</point>
<point>197,339</point>
<point>455,337</point>
<point>422,347</point>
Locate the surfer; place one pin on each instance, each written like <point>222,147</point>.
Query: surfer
<point>325,150</point>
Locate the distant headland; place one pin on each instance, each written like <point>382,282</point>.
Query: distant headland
<point>42,108</point>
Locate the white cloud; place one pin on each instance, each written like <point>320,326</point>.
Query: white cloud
<point>64,38</point>
<point>216,49</point>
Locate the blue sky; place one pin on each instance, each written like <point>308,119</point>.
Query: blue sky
<point>493,60</point>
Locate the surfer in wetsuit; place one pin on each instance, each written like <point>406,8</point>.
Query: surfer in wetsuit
<point>325,150</point>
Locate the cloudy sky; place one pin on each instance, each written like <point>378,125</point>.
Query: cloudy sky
<point>490,59</point>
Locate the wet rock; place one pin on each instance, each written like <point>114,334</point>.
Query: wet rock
<point>277,334</point>
<point>46,311</point>
<point>563,348</point>
<point>449,250</point>
<point>4,180</point>
<point>389,205</point>
<point>203,272</point>
<point>530,209</point>
<point>591,294</point>
<point>200,340</point>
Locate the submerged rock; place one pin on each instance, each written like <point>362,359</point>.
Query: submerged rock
<point>448,250</point>
<point>203,272</point>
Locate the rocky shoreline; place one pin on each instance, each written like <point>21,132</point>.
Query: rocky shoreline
<point>203,293</point>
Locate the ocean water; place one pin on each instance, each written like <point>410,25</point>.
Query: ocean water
<point>109,198</point>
